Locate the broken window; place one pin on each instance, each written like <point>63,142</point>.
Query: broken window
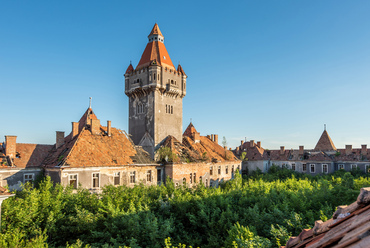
<point>312,168</point>
<point>341,167</point>
<point>132,177</point>
<point>293,167</point>
<point>73,180</point>
<point>353,166</point>
<point>149,176</point>
<point>116,178</point>
<point>304,167</point>
<point>95,179</point>
<point>324,168</point>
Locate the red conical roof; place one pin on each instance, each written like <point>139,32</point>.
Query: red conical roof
<point>155,53</point>
<point>130,68</point>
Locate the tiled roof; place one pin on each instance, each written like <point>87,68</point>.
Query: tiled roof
<point>189,130</point>
<point>31,155</point>
<point>155,53</point>
<point>130,68</point>
<point>4,191</point>
<point>155,30</point>
<point>325,143</point>
<point>179,69</point>
<point>355,155</point>
<point>86,119</point>
<point>87,149</point>
<point>191,150</point>
<point>349,227</point>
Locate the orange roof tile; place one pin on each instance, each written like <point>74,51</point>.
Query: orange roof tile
<point>325,143</point>
<point>155,53</point>
<point>349,227</point>
<point>155,30</point>
<point>31,155</point>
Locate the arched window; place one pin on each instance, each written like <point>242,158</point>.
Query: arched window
<point>171,81</point>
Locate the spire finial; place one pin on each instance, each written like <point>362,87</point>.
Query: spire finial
<point>324,127</point>
<point>90,101</point>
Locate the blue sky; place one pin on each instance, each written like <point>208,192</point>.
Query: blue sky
<point>272,71</point>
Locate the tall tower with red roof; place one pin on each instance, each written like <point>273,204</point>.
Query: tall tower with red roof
<point>155,89</point>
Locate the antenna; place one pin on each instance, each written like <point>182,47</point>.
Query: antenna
<point>90,98</point>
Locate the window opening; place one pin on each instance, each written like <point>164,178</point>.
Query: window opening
<point>116,178</point>
<point>132,177</point>
<point>73,181</point>
<point>149,176</point>
<point>95,180</point>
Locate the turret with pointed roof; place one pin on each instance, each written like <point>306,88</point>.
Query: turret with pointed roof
<point>155,89</point>
<point>325,143</point>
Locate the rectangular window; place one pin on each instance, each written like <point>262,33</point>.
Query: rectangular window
<point>293,167</point>
<point>191,178</point>
<point>132,176</point>
<point>312,168</point>
<point>73,180</point>
<point>195,177</point>
<point>367,168</point>
<point>232,170</point>
<point>116,178</point>
<point>219,169</point>
<point>149,176</point>
<point>28,178</point>
<point>341,167</point>
<point>353,166</point>
<point>304,167</point>
<point>96,180</point>
<point>211,170</point>
<point>324,168</point>
<point>227,169</point>
<point>159,175</point>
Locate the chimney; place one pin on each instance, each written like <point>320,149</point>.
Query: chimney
<point>109,128</point>
<point>348,149</point>
<point>212,137</point>
<point>10,145</point>
<point>364,150</point>
<point>95,126</point>
<point>282,150</point>
<point>209,136</point>
<point>216,138</point>
<point>59,139</point>
<point>259,144</point>
<point>301,150</point>
<point>75,129</point>
<point>251,143</point>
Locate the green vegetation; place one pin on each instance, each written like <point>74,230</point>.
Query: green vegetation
<point>259,210</point>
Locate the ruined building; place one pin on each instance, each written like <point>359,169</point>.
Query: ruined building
<point>155,89</point>
<point>324,158</point>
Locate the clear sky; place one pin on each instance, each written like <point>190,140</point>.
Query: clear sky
<point>271,71</point>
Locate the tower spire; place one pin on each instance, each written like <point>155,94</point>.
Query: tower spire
<point>90,101</point>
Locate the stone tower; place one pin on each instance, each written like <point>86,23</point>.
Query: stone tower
<point>155,89</point>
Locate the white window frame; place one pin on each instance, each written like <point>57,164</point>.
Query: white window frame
<point>314,168</point>
<point>92,180</point>
<point>340,166</point>
<point>327,168</point>
<point>294,167</point>
<point>69,179</point>
<point>353,166</point>
<point>303,169</point>
<point>28,180</point>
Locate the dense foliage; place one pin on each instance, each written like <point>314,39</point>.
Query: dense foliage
<point>260,210</point>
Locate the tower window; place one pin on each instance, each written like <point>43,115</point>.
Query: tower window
<point>171,109</point>
<point>154,76</point>
<point>140,108</point>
